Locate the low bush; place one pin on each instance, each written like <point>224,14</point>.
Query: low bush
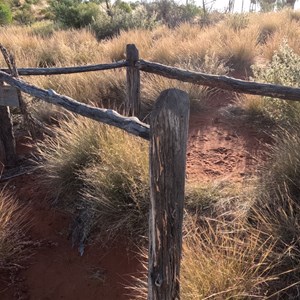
<point>172,14</point>
<point>25,15</point>
<point>107,26</point>
<point>283,70</point>
<point>5,14</point>
<point>74,14</point>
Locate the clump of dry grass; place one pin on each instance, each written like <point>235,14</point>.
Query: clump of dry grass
<point>237,21</point>
<point>115,48</point>
<point>101,89</point>
<point>218,197</point>
<point>281,173</point>
<point>62,48</point>
<point>277,208</point>
<point>239,49</point>
<point>12,229</point>
<point>275,28</point>
<point>92,166</point>
<point>75,146</point>
<point>117,189</point>
<point>222,260</point>
<point>277,215</point>
<point>267,26</point>
<point>252,104</point>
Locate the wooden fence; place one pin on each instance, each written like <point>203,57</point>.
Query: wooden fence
<point>167,133</point>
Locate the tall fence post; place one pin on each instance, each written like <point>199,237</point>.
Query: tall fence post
<point>132,104</point>
<point>168,142</point>
<point>7,139</point>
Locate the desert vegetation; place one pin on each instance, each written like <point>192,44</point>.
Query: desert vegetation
<point>241,239</point>
<point>13,241</point>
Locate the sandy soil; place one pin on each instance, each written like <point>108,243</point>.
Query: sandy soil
<point>222,145</point>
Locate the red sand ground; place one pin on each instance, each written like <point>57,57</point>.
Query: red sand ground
<point>220,147</point>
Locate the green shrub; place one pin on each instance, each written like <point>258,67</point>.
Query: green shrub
<point>74,14</point>
<point>172,14</point>
<point>106,26</point>
<point>5,14</point>
<point>284,69</point>
<point>25,15</point>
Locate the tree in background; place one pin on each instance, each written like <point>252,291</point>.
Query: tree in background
<point>230,7</point>
<point>286,3</point>
<point>267,5</point>
<point>270,5</point>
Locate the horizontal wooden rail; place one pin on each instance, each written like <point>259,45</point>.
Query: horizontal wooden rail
<point>69,70</point>
<point>222,82</point>
<point>214,81</point>
<point>108,116</point>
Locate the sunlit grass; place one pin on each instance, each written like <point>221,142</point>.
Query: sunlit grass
<point>12,229</point>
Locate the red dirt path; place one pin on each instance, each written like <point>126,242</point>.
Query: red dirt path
<point>220,147</point>
<point>223,143</point>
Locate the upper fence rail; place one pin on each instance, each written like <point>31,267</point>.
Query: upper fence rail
<point>209,80</point>
<point>69,70</point>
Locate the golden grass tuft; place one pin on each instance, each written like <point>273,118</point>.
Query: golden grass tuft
<point>281,173</point>
<point>239,49</point>
<point>75,146</point>
<point>101,169</point>
<point>224,262</point>
<point>221,260</point>
<point>12,229</point>
<point>117,188</point>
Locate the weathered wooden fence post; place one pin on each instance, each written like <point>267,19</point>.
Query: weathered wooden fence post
<point>168,142</point>
<point>132,104</point>
<point>7,139</point>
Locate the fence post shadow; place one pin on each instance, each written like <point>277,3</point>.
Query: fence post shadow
<point>168,142</point>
